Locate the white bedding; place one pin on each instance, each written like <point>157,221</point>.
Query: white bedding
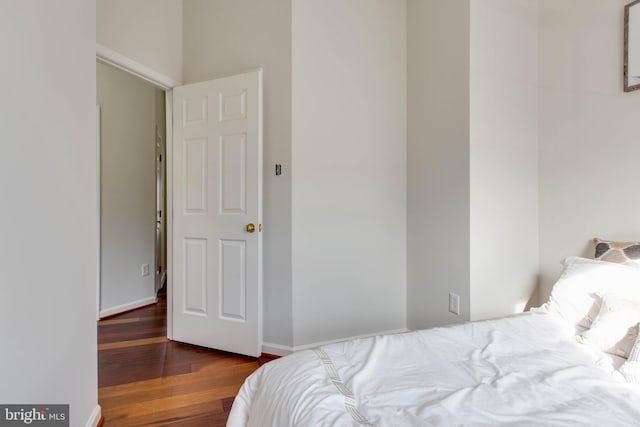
<point>524,370</point>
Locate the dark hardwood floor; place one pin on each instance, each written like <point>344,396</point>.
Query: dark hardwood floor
<point>146,380</point>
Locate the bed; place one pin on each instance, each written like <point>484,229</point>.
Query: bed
<point>561,364</point>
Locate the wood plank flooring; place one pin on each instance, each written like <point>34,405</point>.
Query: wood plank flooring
<point>146,380</point>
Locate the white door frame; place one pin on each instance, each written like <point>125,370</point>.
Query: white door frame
<point>98,207</point>
<point>168,108</point>
<point>115,59</point>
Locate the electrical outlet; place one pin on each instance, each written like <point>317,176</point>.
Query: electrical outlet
<point>144,269</point>
<point>454,303</point>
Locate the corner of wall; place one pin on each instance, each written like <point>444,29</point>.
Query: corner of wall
<point>437,152</point>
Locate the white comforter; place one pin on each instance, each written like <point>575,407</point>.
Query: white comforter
<point>524,370</point>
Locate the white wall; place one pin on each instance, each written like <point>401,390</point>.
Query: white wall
<point>589,146</point>
<point>146,31</point>
<point>437,160</point>
<point>349,168</point>
<point>128,189</point>
<point>503,156</point>
<point>472,158</point>
<point>48,222</point>
<point>229,36</point>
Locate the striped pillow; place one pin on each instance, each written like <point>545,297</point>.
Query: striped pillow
<point>618,252</point>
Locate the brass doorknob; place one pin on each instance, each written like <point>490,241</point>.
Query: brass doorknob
<point>250,228</point>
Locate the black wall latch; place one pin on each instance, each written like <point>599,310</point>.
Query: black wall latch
<point>278,169</point>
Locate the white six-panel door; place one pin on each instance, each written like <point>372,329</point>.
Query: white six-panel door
<point>217,197</point>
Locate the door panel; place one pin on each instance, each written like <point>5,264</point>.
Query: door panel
<point>233,171</point>
<point>217,173</point>
<point>195,170</point>
<point>195,276</point>
<point>233,283</point>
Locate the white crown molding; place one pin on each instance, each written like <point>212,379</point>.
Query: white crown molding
<point>111,57</point>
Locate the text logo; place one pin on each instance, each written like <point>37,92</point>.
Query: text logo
<point>34,415</point>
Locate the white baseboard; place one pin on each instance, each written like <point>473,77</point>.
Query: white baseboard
<point>128,306</point>
<point>283,350</point>
<point>276,349</point>
<point>94,419</point>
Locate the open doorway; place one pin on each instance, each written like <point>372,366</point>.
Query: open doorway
<point>213,180</point>
<point>133,229</point>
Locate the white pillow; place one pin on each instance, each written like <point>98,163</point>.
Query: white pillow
<point>575,296</point>
<point>615,329</point>
<point>631,368</point>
